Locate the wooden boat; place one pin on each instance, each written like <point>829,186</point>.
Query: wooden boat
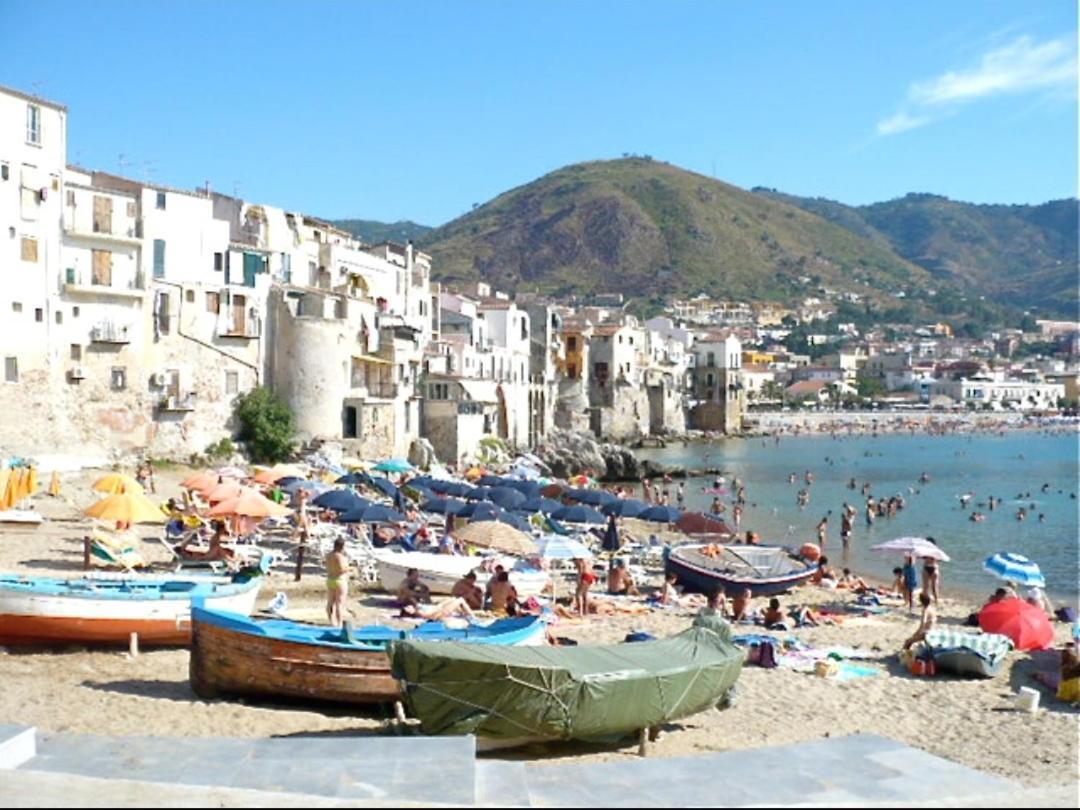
<point>765,570</point>
<point>107,609</point>
<point>441,571</point>
<point>513,695</point>
<point>236,655</point>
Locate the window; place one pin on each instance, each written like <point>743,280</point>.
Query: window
<point>524,329</point>
<point>118,378</point>
<point>286,268</point>
<point>11,369</point>
<point>29,249</point>
<point>213,302</point>
<point>189,296</point>
<point>16,306</point>
<point>219,262</point>
<point>160,204</point>
<point>5,172</point>
<point>159,258</point>
<point>74,312</point>
<point>39,315</point>
<point>33,124</point>
<point>571,343</point>
<point>102,267</point>
<point>70,197</point>
<point>232,382</point>
<point>102,214</point>
<point>76,351</point>
<point>59,316</point>
<point>131,209</point>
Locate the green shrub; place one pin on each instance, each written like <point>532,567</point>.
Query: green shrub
<point>265,425</point>
<point>223,449</point>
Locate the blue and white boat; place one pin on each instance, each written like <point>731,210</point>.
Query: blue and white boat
<point>236,655</point>
<point>765,570</point>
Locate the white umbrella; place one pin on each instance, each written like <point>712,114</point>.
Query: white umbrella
<point>557,547</point>
<point>919,546</point>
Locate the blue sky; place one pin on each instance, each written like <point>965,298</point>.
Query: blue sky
<point>390,110</point>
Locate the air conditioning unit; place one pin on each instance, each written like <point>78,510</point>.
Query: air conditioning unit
<point>158,379</point>
<point>77,373</point>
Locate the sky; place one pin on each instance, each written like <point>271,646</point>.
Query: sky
<point>418,110</point>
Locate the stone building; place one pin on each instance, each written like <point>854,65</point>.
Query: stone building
<point>719,396</point>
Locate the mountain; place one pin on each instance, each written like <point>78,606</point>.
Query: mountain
<point>1021,254</point>
<point>650,229</point>
<point>373,232</point>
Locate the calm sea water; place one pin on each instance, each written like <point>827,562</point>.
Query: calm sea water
<point>1007,467</point>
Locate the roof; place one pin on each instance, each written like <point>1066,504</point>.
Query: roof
<point>756,368</point>
<point>31,98</point>
<point>448,316</point>
<point>806,387</point>
<point>480,390</point>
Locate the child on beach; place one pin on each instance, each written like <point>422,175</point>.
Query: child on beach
<point>911,582</point>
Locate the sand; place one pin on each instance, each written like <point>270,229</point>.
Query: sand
<point>968,721</point>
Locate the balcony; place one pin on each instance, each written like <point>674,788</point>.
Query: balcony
<point>110,333</point>
<point>376,391</point>
<point>178,403</point>
<point>128,233</point>
<point>249,329</point>
<point>76,283</point>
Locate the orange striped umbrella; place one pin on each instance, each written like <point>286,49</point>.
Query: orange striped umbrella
<point>249,503</point>
<point>223,491</point>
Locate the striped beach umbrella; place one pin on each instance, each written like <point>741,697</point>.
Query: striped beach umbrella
<point>1015,568</point>
<point>557,547</point>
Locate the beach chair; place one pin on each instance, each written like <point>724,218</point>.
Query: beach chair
<point>115,551</point>
<point>180,562</point>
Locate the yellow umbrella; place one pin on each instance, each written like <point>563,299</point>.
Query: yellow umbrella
<point>126,507</point>
<point>14,488</point>
<point>5,479</point>
<point>54,484</point>
<point>31,482</point>
<point>117,483</point>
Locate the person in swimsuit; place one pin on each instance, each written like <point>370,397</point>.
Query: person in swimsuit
<point>911,582</point>
<point>931,578</point>
<point>620,582</point>
<point>585,580</point>
<point>337,583</point>
<point>467,589</point>
<point>926,624</point>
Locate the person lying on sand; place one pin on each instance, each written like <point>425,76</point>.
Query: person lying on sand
<point>452,607</point>
<point>851,582</point>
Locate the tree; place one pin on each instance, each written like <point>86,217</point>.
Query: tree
<point>266,425</point>
<point>869,388</point>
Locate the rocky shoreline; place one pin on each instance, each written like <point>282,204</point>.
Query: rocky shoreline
<point>567,453</point>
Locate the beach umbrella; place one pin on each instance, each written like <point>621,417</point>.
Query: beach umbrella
<point>394,465</point>
<point>581,480</point>
<point>126,507</point>
<point>593,497</point>
<point>287,481</point>
<point>699,523</point>
<point>1015,568</point>
<point>383,485</point>
<point>624,507</point>
<point>116,483</point>
<point>1027,626</point>
<point>417,492</point>
<point>223,491</point>
<point>340,500</point>
<point>661,514</point>
<point>557,547</point>
<point>353,478</point>
<point>443,506</point>
<point>249,503</point>
<point>553,490</point>
<point>498,536</point>
<point>475,472</point>
<point>530,489</point>
<point>510,519</point>
<point>457,489</point>
<point>376,513</point>
<point>506,497</point>
<point>539,503</point>
<point>478,494</point>
<point>54,484</point>
<point>917,546</point>
<point>277,472</point>
<point>480,510</point>
<point>491,481</point>
<point>611,542</point>
<point>208,479</point>
<point>232,472</point>
<point>579,514</point>
<point>315,487</point>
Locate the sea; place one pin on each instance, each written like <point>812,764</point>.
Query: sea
<point>1013,467</point>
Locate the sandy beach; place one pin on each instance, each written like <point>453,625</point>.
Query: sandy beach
<point>968,721</point>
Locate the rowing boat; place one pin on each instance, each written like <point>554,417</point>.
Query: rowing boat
<point>440,572</point>
<point>765,570</point>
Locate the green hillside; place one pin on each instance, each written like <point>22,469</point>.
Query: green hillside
<point>373,232</point>
<point>649,229</point>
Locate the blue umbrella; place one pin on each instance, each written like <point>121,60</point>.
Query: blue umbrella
<point>518,522</point>
<point>419,492</point>
<point>287,481</point>
<point>579,514</point>
<point>492,481</point>
<point>540,504</point>
<point>478,494</point>
<point>384,485</point>
<point>480,510</point>
<point>341,500</point>
<point>394,465</point>
<point>557,547</point>
<point>1015,568</point>
<point>444,506</point>
<point>399,501</point>
<point>611,541</point>
<point>352,478</point>
<point>376,513</point>
<point>624,507</point>
<point>530,488</point>
<point>507,498</point>
<point>316,487</point>
<point>661,514</point>
<point>455,488</point>
<point>595,497</point>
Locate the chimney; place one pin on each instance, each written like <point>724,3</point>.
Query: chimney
<point>409,256</point>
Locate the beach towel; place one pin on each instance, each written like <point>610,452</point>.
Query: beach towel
<point>851,672</point>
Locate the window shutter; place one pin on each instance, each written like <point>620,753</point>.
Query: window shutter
<point>103,268</point>
<point>29,249</point>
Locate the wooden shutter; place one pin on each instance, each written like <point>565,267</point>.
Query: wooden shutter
<point>102,214</point>
<point>29,249</point>
<point>103,268</point>
<point>213,302</point>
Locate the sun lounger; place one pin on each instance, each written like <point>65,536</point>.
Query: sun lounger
<point>181,562</point>
<point>115,551</point>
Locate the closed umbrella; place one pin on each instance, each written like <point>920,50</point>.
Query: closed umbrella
<point>117,483</point>
<point>506,497</point>
<point>1027,626</point>
<point>612,542</point>
<point>340,500</point>
<point>496,535</point>
<point>917,546</point>
<point>661,514</point>
<point>1015,568</point>
<point>394,465</point>
<point>126,507</point>
<point>249,503</point>
<point>624,507</point>
<point>579,514</point>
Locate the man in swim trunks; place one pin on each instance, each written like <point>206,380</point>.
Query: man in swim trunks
<point>467,589</point>
<point>411,592</point>
<point>337,583</point>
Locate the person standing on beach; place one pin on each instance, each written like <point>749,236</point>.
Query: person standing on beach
<point>931,578</point>
<point>823,533</point>
<point>337,583</point>
<point>911,581</point>
<point>585,580</point>
<point>736,516</point>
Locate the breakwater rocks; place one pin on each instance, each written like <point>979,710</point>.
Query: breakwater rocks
<point>567,453</point>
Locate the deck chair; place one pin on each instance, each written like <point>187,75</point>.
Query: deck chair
<point>115,551</point>
<point>180,562</point>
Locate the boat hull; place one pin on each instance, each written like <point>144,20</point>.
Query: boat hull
<point>698,578</point>
<point>441,572</point>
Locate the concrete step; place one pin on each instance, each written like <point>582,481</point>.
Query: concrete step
<point>501,784</point>
<point>18,744</point>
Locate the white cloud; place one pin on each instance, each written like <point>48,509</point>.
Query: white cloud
<point>1021,66</point>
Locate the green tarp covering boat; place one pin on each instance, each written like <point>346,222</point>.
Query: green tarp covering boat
<point>550,693</point>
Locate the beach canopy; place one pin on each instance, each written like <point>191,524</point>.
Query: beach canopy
<point>593,497</point>
<point>341,500</point>
<point>1015,568</point>
<point>918,546</point>
<point>579,514</point>
<point>611,542</point>
<point>700,523</point>
<point>661,514</point>
<point>394,465</point>
<point>538,503</point>
<point>506,497</point>
<point>624,507</point>
<point>1027,626</point>
<point>443,506</point>
<point>376,513</point>
<point>498,536</point>
<point>127,507</point>
<point>116,483</point>
<point>249,503</point>
<point>557,547</point>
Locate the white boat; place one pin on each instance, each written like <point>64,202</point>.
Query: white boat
<point>26,517</point>
<point>440,572</point>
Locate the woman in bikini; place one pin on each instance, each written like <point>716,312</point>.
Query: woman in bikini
<point>931,577</point>
<point>337,583</point>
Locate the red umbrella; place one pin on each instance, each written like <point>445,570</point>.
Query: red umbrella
<point>698,523</point>
<point>1027,626</point>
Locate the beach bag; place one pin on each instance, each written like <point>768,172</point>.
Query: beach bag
<point>766,656</point>
<point>634,637</point>
<point>1065,614</point>
<point>922,667</point>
